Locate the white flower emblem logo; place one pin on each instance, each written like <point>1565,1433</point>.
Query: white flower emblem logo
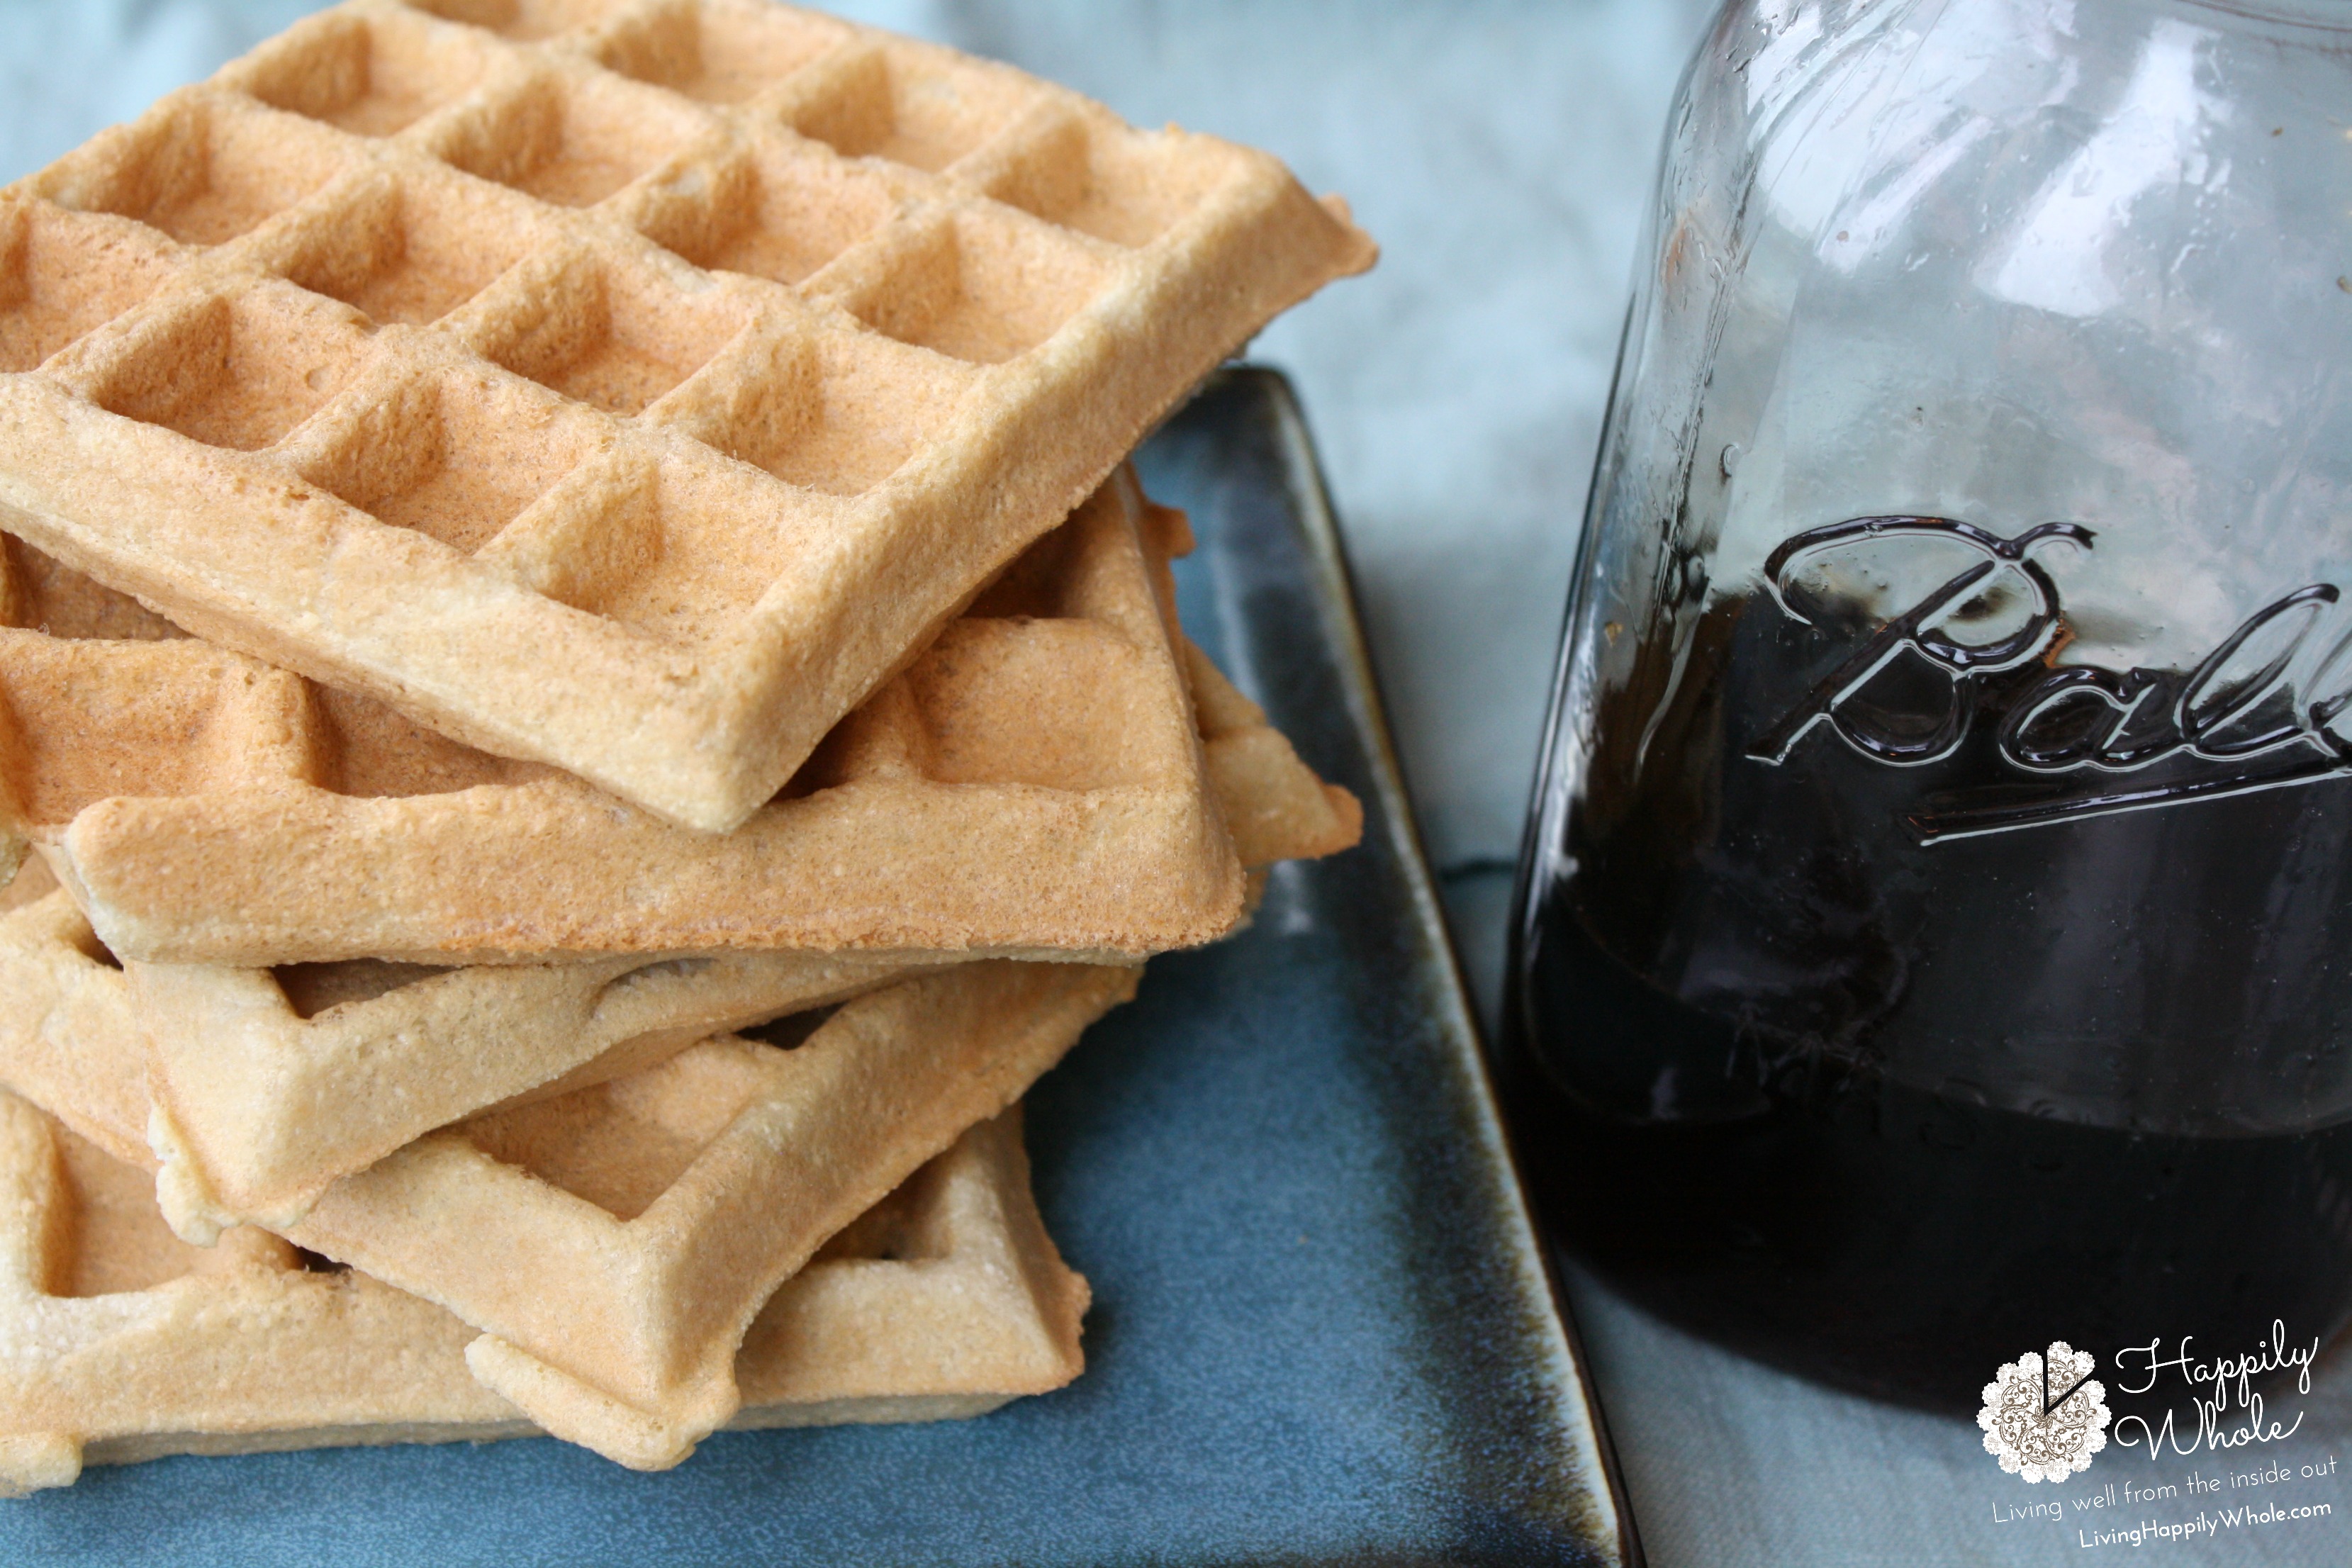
<point>2045,1416</point>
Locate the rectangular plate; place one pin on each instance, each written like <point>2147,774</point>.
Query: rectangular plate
<point>1323,1331</point>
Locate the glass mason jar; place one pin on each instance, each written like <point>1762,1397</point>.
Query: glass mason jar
<point>1934,934</point>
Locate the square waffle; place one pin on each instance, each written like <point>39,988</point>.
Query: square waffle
<point>614,1244</point>
<point>945,1301</point>
<point>267,1085</point>
<point>623,386</point>
<point>1033,783</point>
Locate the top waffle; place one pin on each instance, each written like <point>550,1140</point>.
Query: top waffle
<point>625,387</point>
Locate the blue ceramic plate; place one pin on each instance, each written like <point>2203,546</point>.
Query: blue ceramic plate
<point>1322,1330</point>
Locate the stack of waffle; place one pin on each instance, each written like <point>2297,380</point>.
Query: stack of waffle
<point>592,702</point>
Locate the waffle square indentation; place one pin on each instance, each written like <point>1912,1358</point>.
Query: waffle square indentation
<point>114,1238</point>
<point>63,273</point>
<point>456,457</point>
<point>983,673</point>
<point>910,1225</point>
<point>774,211</point>
<point>370,74</point>
<point>840,414</point>
<point>152,718</point>
<point>910,109</point>
<point>234,371</point>
<point>575,141</point>
<point>311,989</point>
<point>200,170</point>
<point>719,53</point>
<point>525,21</point>
<point>613,336</point>
<point>367,750</point>
<point>675,548</point>
<point>41,592</point>
<point>979,286</point>
<point>622,1144</point>
<point>1107,180</point>
<point>411,250</point>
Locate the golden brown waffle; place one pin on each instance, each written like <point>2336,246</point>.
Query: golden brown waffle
<point>614,1244</point>
<point>627,386</point>
<point>270,1084</point>
<point>1032,783</point>
<point>1274,806</point>
<point>946,1300</point>
<point>267,1086</point>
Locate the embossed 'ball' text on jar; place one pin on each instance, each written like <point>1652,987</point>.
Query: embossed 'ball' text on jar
<point>1934,934</point>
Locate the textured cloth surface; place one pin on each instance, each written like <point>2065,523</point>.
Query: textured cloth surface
<point>1729,1463</point>
<point>1501,152</point>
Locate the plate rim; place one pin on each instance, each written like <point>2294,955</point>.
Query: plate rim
<point>1337,603</point>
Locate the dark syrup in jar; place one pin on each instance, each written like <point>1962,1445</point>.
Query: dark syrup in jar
<point>1891,1114</point>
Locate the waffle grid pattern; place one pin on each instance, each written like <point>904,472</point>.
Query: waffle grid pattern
<point>945,1301</point>
<point>267,1086</point>
<point>717,349</point>
<point>1034,782</point>
<point>614,1244</point>
<point>263,1097</point>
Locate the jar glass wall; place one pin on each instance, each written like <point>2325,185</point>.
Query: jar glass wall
<point>1935,924</point>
